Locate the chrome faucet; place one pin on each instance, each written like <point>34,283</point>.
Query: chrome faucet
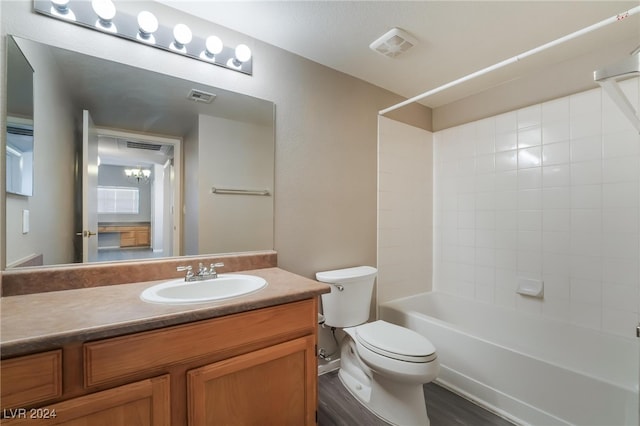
<point>203,273</point>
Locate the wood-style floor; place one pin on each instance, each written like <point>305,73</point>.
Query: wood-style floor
<point>336,407</point>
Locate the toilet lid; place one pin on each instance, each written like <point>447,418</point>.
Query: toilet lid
<point>395,342</point>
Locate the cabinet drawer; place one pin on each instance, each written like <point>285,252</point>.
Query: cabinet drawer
<point>30,379</point>
<point>131,356</point>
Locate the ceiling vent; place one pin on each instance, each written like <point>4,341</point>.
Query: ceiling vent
<point>144,145</point>
<point>393,43</point>
<point>200,96</point>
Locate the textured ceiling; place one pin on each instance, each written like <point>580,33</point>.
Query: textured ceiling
<point>455,38</point>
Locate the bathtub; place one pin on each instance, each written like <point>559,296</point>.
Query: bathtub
<point>528,369</point>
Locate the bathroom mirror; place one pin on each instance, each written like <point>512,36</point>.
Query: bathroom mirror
<point>152,148</point>
<point>19,132</point>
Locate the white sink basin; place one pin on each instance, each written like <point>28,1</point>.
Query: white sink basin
<point>226,286</point>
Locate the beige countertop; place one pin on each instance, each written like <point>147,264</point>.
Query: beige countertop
<point>43,321</point>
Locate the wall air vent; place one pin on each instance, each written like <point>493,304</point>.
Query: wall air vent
<point>393,43</point>
<point>200,96</point>
<point>144,145</point>
<point>19,130</point>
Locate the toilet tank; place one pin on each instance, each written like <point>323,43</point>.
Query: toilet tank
<point>349,302</point>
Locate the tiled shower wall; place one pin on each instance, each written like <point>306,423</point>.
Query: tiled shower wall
<point>405,210</point>
<point>549,192</point>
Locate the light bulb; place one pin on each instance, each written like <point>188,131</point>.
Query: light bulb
<point>147,23</point>
<point>182,36</point>
<point>243,53</point>
<point>214,45</point>
<point>105,9</point>
<point>61,6</point>
<point>146,173</point>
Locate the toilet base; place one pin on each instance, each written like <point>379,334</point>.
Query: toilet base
<point>396,403</point>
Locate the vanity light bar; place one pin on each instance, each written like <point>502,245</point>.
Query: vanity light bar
<point>144,28</point>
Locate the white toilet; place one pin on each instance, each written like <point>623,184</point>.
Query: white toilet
<point>382,364</point>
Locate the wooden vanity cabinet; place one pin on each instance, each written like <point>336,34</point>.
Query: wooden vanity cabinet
<point>269,386</point>
<point>255,367</point>
<point>130,235</point>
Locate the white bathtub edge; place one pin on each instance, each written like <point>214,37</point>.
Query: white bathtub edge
<point>512,409</point>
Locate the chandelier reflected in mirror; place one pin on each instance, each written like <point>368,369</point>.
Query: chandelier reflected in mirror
<point>138,175</point>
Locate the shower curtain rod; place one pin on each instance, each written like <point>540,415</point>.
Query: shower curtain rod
<point>605,22</point>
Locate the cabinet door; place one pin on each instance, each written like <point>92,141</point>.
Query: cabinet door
<point>143,403</point>
<point>271,386</point>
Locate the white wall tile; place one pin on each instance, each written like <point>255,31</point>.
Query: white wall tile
<point>586,197</point>
<point>552,193</point>
<point>586,148</point>
<point>620,169</point>
<point>556,242</point>
<point>620,144</point>
<point>620,220</point>
<point>530,178</point>
<point>530,220</point>
<point>530,116</point>
<point>485,164</point>
<point>586,268</point>
<point>506,180</point>
<point>556,264</point>
<point>530,199</point>
<point>507,122</point>
<point>556,131</point>
<point>586,220</point>
<point>506,200</point>
<point>620,297</point>
<point>529,157</point>
<point>585,125</point>
<point>618,322</point>
<point>506,141</point>
<point>586,291</point>
<point>555,111</point>
<point>556,153</point>
<point>586,173</point>
<point>557,198</point>
<point>507,160</point>
<point>558,175</point>
<point>620,271</point>
<point>556,219</point>
<point>622,194</point>
<point>529,136</point>
<point>586,315</point>
<point>589,102</point>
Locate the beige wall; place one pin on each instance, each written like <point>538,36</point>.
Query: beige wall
<point>405,206</point>
<point>326,131</point>
<point>236,155</point>
<point>191,198</point>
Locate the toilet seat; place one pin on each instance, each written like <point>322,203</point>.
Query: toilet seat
<point>395,342</point>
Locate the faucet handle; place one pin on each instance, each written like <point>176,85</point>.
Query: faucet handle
<point>189,270</point>
<point>212,269</point>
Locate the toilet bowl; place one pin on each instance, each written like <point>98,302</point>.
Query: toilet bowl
<point>383,365</point>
